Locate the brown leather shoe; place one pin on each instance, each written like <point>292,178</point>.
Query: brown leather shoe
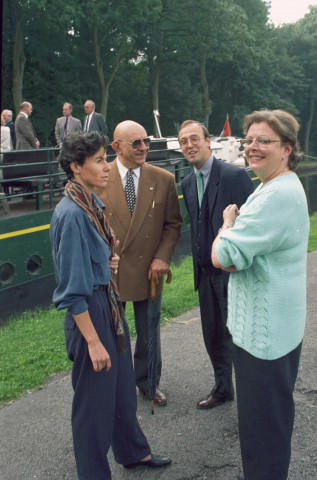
<point>209,402</point>
<point>160,398</point>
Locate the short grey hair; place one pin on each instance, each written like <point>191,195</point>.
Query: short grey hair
<point>70,106</point>
<point>92,103</point>
<point>8,113</point>
<point>24,104</point>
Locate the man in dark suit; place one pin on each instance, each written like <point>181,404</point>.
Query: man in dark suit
<point>94,121</point>
<point>66,124</point>
<point>6,120</point>
<point>25,134</point>
<point>208,190</point>
<point>148,231</point>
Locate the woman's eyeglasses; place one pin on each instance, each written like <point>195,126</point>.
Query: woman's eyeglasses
<point>260,141</point>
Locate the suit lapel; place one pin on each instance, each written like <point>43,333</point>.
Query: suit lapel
<point>117,197</point>
<point>192,202</point>
<point>144,202</point>
<point>92,125</point>
<point>213,183</point>
<point>145,198</point>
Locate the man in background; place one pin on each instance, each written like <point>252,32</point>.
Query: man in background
<point>6,120</point>
<point>143,210</point>
<point>94,121</point>
<point>25,134</point>
<point>6,144</point>
<point>208,190</point>
<point>66,124</point>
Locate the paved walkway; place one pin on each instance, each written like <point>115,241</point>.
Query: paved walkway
<point>36,441</point>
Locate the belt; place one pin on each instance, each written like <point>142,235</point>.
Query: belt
<point>101,287</point>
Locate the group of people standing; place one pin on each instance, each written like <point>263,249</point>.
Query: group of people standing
<point>21,135</point>
<point>116,229</point>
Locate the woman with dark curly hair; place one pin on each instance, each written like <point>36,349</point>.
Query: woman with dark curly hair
<point>264,246</point>
<point>97,337</point>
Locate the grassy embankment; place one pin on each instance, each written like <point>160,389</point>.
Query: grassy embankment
<point>32,347</point>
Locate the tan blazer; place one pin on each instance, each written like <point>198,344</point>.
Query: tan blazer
<point>153,231</point>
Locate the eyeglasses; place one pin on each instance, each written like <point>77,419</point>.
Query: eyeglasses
<point>194,140</point>
<point>260,141</point>
<point>137,143</point>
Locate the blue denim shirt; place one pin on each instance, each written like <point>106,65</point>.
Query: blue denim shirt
<point>80,256</point>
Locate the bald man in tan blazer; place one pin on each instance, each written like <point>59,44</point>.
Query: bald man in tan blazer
<point>148,237</point>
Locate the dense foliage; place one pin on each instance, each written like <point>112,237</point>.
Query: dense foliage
<point>187,58</point>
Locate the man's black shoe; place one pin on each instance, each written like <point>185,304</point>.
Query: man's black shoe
<point>155,462</point>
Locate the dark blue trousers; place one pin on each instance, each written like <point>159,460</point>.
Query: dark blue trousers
<point>142,343</point>
<point>212,292</point>
<point>265,412</point>
<point>104,404</point>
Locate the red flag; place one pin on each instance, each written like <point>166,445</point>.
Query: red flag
<point>226,130</point>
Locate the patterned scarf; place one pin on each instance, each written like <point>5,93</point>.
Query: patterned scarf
<point>99,221</point>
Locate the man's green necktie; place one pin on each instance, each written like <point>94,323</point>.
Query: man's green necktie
<point>200,186</point>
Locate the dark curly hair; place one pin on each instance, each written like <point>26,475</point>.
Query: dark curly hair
<point>284,125</point>
<point>77,147</point>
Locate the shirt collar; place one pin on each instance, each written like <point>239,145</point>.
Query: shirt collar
<point>25,114</point>
<point>205,169</point>
<point>98,201</point>
<point>123,170</point>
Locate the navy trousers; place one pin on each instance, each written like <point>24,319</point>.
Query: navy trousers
<point>212,292</point>
<point>141,346</point>
<point>265,412</point>
<point>104,404</point>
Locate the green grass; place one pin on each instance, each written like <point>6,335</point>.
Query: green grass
<point>32,346</point>
<point>312,242</point>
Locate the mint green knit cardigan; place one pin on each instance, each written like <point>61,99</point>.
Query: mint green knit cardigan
<point>268,246</point>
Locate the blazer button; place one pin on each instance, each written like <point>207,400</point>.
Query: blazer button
<point>122,255</point>
<point>150,215</point>
<point>147,236</point>
<point>140,256</point>
<point>110,214</point>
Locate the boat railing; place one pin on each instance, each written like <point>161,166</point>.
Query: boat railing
<point>28,175</point>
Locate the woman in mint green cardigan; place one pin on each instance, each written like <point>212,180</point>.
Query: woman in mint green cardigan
<point>264,247</point>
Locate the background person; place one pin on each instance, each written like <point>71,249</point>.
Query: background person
<point>6,120</point>
<point>25,134</point>
<point>6,144</point>
<point>148,231</point>
<point>265,249</point>
<point>97,337</point>
<point>221,183</point>
<point>66,124</point>
<point>94,121</point>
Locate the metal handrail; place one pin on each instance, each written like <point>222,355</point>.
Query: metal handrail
<point>177,165</point>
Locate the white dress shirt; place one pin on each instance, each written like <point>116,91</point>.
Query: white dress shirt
<point>123,174</point>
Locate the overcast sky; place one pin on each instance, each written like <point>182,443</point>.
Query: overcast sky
<point>289,11</point>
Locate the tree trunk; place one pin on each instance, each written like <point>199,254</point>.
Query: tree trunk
<point>106,84</point>
<point>207,104</point>
<point>18,61</point>
<point>103,89</point>
<point>309,121</point>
